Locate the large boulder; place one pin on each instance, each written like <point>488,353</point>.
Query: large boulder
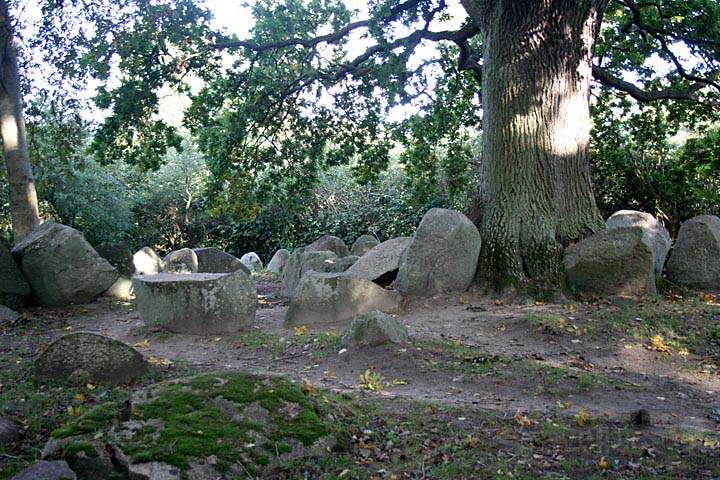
<point>181,261</point>
<point>363,244</point>
<point>119,256</point>
<point>332,298</point>
<point>331,243</point>
<point>147,262</point>
<point>252,261</point>
<point>372,329</point>
<point>61,266</point>
<point>278,261</point>
<point>654,233</point>
<point>44,470</point>
<point>617,261</point>
<point>300,262</point>
<point>381,263</point>
<point>442,257</point>
<point>89,358</point>
<point>214,260</point>
<point>200,303</point>
<point>695,260</point>
<point>14,289</point>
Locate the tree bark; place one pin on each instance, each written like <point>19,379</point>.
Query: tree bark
<point>23,198</point>
<point>535,195</point>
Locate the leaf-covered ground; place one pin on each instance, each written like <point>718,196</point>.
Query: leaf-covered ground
<point>484,390</point>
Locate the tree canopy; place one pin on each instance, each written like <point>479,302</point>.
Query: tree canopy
<point>271,110</point>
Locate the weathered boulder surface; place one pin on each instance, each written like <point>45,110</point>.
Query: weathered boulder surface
<point>44,470</point>
<point>695,260</point>
<point>14,289</point>
<point>300,262</point>
<point>337,264</point>
<point>382,261</point>
<point>617,261</point>
<point>654,233</point>
<point>8,315</point>
<point>267,421</point>
<point>331,243</point>
<point>252,261</point>
<point>372,329</point>
<point>323,298</point>
<point>90,358</point>
<point>442,257</point>
<point>200,303</point>
<point>214,260</point>
<point>61,266</point>
<point>9,432</point>
<point>119,256</point>
<point>147,262</point>
<point>278,261</point>
<point>363,244</point>
<point>180,261</point>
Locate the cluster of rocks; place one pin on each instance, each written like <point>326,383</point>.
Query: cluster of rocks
<point>327,282</point>
<point>626,258</point>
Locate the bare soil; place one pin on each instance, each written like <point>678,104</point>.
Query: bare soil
<point>466,351</point>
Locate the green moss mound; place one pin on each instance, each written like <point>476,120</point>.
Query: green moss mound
<point>238,420</point>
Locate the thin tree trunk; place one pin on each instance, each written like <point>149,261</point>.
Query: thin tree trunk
<point>23,198</point>
<point>536,195</point>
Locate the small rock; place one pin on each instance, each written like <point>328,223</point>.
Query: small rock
<point>331,243</point>
<point>278,261</point>
<point>147,262</point>
<point>9,432</point>
<point>8,315</point>
<point>214,260</point>
<point>363,244</point>
<point>640,418</point>
<point>87,357</point>
<point>372,329</point>
<point>45,470</point>
<point>181,261</point>
<point>252,262</point>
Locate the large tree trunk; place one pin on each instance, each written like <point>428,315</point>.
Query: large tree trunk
<point>23,198</point>
<point>535,196</point>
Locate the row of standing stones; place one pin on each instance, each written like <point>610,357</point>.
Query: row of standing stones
<point>208,291</point>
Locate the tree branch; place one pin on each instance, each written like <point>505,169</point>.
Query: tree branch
<point>610,80</point>
<point>658,35</point>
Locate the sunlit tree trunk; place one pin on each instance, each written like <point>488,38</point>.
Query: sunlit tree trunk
<point>23,198</point>
<point>535,196</point>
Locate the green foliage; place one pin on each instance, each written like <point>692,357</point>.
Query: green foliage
<point>640,162</point>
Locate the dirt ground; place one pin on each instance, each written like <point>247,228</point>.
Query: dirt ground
<point>608,359</point>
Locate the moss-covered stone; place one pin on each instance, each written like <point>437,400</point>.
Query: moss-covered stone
<point>225,425</point>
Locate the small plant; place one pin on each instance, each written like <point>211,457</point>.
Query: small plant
<point>551,323</point>
<point>371,380</point>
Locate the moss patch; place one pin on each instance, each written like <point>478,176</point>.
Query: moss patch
<point>238,418</point>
